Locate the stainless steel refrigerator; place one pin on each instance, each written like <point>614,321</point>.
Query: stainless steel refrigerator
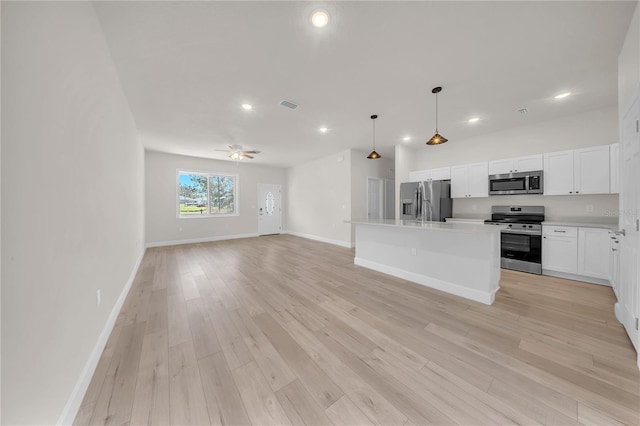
<point>428,201</point>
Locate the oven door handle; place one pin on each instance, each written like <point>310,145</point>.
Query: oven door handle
<point>521,232</point>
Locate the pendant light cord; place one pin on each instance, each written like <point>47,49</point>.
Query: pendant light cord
<point>374,134</point>
<point>436,112</point>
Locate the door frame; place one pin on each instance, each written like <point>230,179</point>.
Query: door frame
<point>380,195</point>
<point>622,316</point>
<point>278,207</point>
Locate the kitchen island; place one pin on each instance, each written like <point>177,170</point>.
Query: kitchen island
<point>457,258</point>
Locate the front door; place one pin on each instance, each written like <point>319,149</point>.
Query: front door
<point>629,294</point>
<point>269,209</point>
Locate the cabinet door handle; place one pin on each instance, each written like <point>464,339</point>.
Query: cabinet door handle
<point>570,192</point>
<point>614,249</point>
<point>577,192</point>
<point>556,230</point>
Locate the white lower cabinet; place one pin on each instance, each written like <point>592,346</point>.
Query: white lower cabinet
<point>560,249</point>
<point>577,252</point>
<point>593,252</point>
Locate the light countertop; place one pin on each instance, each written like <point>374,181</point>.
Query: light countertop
<point>464,219</point>
<point>602,225</point>
<point>479,228</point>
<point>586,222</point>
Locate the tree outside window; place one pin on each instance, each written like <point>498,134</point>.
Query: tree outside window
<point>206,194</point>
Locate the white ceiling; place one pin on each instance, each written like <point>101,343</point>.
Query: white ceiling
<point>186,68</point>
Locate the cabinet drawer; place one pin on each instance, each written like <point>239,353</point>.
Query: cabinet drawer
<point>560,231</point>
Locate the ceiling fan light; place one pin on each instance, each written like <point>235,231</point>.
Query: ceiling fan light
<point>236,156</point>
<point>374,155</point>
<point>437,139</point>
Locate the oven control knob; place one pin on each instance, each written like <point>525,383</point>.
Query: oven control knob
<point>530,226</point>
<point>524,226</point>
<point>510,226</point>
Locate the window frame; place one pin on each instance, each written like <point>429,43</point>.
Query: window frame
<point>208,215</point>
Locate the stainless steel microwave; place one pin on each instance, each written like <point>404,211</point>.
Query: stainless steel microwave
<point>516,183</point>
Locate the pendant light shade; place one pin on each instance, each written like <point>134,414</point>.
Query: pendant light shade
<point>436,139</point>
<point>374,155</point>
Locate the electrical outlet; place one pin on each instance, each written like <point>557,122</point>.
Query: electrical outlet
<point>98,297</point>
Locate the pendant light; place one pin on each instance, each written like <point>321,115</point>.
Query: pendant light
<point>374,155</point>
<point>437,139</point>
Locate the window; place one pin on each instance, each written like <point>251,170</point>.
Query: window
<point>206,194</point>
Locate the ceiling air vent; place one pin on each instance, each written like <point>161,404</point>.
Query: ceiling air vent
<point>289,105</point>
<point>523,111</point>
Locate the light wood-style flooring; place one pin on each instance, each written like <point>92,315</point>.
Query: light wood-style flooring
<point>284,330</point>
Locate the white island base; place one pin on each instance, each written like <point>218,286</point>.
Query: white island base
<point>461,259</point>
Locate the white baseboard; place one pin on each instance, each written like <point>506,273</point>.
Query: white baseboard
<point>575,277</point>
<point>617,313</point>
<point>75,400</point>
<point>322,239</point>
<point>478,296</point>
<point>199,240</point>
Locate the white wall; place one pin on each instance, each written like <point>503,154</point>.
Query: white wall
<point>629,64</point>
<point>593,208</point>
<point>72,197</point>
<point>163,227</point>
<point>598,127</point>
<point>318,198</point>
<point>361,169</point>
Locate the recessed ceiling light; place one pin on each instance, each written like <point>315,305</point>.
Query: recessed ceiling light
<point>474,119</point>
<point>247,107</point>
<point>562,95</point>
<point>320,18</point>
<point>406,138</point>
<point>323,129</point>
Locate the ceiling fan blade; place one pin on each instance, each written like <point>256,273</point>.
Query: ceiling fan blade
<point>221,150</point>
<point>251,152</point>
<point>247,156</point>
<point>232,148</point>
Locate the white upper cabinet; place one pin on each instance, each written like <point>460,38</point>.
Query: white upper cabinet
<point>591,170</point>
<point>419,176</point>
<point>443,173</point>
<point>558,173</point>
<point>459,181</point>
<point>580,171</point>
<point>614,166</point>
<point>514,165</point>
<point>530,163</point>
<point>470,180</point>
<point>501,167</point>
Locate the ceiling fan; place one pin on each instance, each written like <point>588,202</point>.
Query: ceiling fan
<point>237,153</point>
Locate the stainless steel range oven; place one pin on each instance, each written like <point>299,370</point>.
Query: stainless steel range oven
<point>521,239</point>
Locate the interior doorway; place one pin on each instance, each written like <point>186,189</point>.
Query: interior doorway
<point>380,198</point>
